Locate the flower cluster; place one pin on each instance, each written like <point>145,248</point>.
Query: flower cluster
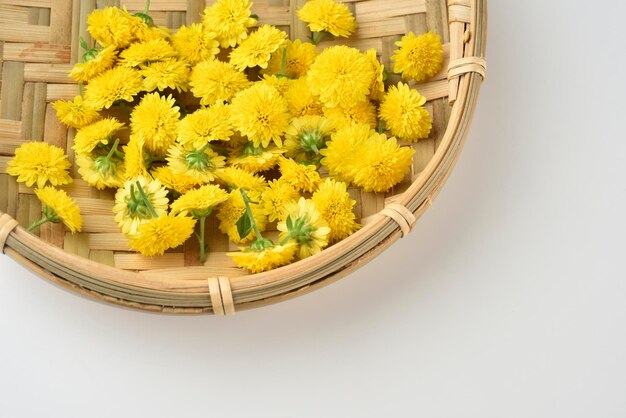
<point>234,122</point>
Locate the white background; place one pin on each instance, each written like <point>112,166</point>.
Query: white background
<point>508,300</point>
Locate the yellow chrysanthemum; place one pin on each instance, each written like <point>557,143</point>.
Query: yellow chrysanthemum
<point>236,178</point>
<point>130,209</point>
<point>200,164</point>
<point>40,163</point>
<point>199,202</point>
<point>255,159</point>
<point>176,183</point>
<point>101,173</point>
<point>136,159</point>
<point>404,115</point>
<point>300,56</point>
<point>364,112</point>
<point>118,83</point>
<point>382,163</point>
<point>304,178</point>
<point>276,197</point>
<point>169,73</point>
<point>281,84</point>
<point>205,125</point>
<point>75,113</point>
<point>112,26</point>
<point>159,234</point>
<point>98,133</point>
<point>377,89</point>
<point>228,21</point>
<point>193,44</point>
<point>304,224</point>
<point>419,57</point>
<point>335,205</point>
<point>155,121</point>
<point>341,149</point>
<point>260,113</point>
<point>214,81</point>
<point>341,76</point>
<point>144,52</point>
<point>103,61</point>
<point>328,16</point>
<point>145,33</point>
<point>257,49</point>
<point>229,212</point>
<point>264,260</point>
<point>300,100</point>
<point>306,137</point>
<point>59,207</point>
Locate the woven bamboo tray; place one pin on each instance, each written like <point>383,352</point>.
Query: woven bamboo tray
<point>39,44</point>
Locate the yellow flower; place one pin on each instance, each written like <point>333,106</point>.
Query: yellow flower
<point>404,115</point>
<point>59,207</point>
<point>169,73</point>
<point>281,84</point>
<point>300,100</point>
<point>382,163</point>
<point>200,202</point>
<point>100,173</point>
<point>255,159</point>
<point>228,21</point>
<point>266,259</point>
<point>334,204</point>
<point>419,57</point>
<point>159,234</point>
<point>328,16</point>
<point>112,26</point>
<point>39,162</point>
<point>118,83</point>
<point>103,61</point>
<point>76,113</point>
<point>215,81</point>
<point>236,178</point>
<point>149,51</point>
<point>205,125</point>
<point>233,209</point>
<point>260,113</point>
<point>306,136</point>
<point>304,178</point>
<point>155,120</point>
<point>306,227</point>
<point>193,44</point>
<point>177,183</point>
<point>275,199</point>
<point>136,159</point>
<point>145,33</point>
<point>96,134</point>
<point>257,49</point>
<point>130,209</point>
<point>363,112</point>
<point>341,149</point>
<point>341,76</point>
<point>201,164</point>
<point>300,57</point>
<point>377,89</point>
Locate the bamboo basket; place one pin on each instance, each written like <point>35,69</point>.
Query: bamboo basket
<point>39,44</point>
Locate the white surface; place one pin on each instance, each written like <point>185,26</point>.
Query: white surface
<point>518,308</point>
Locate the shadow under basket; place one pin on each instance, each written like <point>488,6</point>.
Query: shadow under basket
<point>38,46</point>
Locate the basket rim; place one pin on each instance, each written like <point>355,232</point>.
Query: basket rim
<point>190,294</point>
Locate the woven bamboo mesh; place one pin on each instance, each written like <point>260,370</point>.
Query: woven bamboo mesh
<point>38,46</point>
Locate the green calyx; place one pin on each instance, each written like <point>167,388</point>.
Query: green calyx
<point>299,230</point>
<point>312,141</point>
<point>139,204</point>
<point>261,244</point>
<point>198,160</point>
<point>250,150</point>
<point>105,164</point>
<point>90,53</point>
<point>145,16</point>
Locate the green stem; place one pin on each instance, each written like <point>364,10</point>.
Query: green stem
<point>146,201</point>
<point>255,228</point>
<point>38,224</point>
<point>286,239</point>
<point>113,149</point>
<point>146,9</point>
<point>202,222</point>
<point>317,37</point>
<point>80,89</point>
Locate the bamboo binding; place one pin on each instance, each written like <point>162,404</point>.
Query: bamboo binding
<point>39,44</point>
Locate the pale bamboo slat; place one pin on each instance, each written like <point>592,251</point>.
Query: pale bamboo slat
<point>38,45</point>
